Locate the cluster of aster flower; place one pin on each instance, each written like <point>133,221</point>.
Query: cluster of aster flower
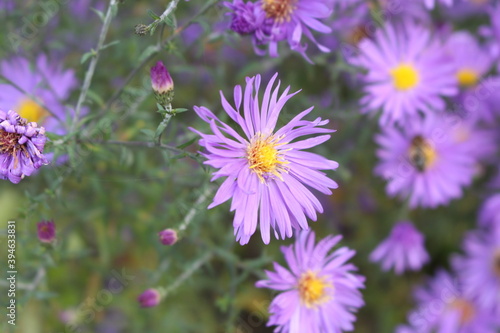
<point>435,92</point>
<point>272,21</point>
<point>268,176</point>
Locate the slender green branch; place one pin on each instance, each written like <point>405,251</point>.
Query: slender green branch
<point>93,63</point>
<point>136,70</point>
<point>188,272</point>
<point>194,209</point>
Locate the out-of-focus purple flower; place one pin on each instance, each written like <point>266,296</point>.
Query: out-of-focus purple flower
<point>149,298</point>
<point>7,5</point>
<point>443,307</point>
<point>431,3</point>
<point>495,25</point>
<point>489,214</point>
<point>424,162</point>
<point>403,249</point>
<point>273,21</point>
<point>407,72</point>
<point>267,171</point>
<point>482,102</point>
<point>471,61</point>
<point>467,132</point>
<point>46,231</point>
<point>479,268</point>
<point>21,147</point>
<point>246,17</point>
<point>319,291</point>
<point>168,236</point>
<point>45,83</point>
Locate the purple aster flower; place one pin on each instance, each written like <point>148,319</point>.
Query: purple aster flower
<point>489,214</point>
<point>444,308</point>
<point>319,291</point>
<point>272,21</point>
<point>482,102</point>
<point>495,25</point>
<point>246,17</point>
<point>403,249</point>
<point>168,236</point>
<point>471,61</point>
<point>424,162</point>
<point>21,147</point>
<point>7,5</point>
<point>479,268</point>
<point>46,83</point>
<point>46,231</point>
<point>149,298</point>
<point>407,72</point>
<point>268,174</point>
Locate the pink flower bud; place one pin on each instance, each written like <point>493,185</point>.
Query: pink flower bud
<point>46,231</point>
<point>149,298</point>
<point>168,236</point>
<point>160,79</point>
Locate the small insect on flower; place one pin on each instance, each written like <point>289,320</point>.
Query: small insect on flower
<point>268,174</point>
<point>319,291</point>
<point>21,147</point>
<point>423,162</point>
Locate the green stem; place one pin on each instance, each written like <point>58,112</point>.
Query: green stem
<point>93,63</point>
<point>141,65</point>
<point>194,209</point>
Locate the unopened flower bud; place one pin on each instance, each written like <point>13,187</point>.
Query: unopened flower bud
<point>141,29</point>
<point>163,85</point>
<point>46,231</point>
<point>168,237</point>
<point>149,298</point>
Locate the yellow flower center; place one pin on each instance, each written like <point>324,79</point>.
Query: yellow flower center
<point>404,77</point>
<point>467,77</point>
<point>279,10</point>
<point>465,308</point>
<point>312,289</point>
<point>264,158</point>
<point>32,111</point>
<point>421,153</point>
<point>496,262</point>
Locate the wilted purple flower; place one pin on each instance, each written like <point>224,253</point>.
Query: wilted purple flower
<point>267,173</point>
<point>479,268</point>
<point>21,147</point>
<point>246,17</point>
<point>424,162</point>
<point>160,79</point>
<point>489,214</point>
<point>46,231</point>
<point>403,249</point>
<point>272,21</point>
<point>444,308</point>
<point>149,298</point>
<point>168,236</point>
<point>46,83</point>
<point>471,61</point>
<point>408,72</point>
<point>319,291</point>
